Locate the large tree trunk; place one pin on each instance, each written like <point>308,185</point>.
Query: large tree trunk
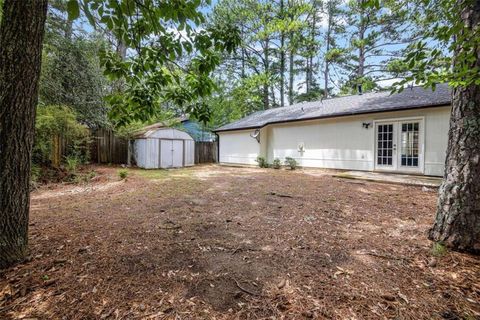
<point>457,224</point>
<point>21,36</point>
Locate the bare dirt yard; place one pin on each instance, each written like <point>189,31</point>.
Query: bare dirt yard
<point>214,242</point>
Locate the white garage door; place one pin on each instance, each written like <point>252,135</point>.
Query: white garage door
<point>171,153</point>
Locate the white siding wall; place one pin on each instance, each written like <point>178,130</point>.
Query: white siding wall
<point>436,138</point>
<point>238,147</point>
<point>340,143</point>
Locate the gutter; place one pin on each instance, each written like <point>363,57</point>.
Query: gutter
<point>336,115</point>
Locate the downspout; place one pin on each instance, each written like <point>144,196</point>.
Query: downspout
<point>218,147</point>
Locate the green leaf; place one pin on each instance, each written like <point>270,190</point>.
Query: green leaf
<point>73,9</point>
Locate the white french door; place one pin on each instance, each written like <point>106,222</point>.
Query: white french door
<point>399,145</point>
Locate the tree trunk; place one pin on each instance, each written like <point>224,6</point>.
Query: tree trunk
<point>21,36</point>
<point>311,50</point>
<point>328,38</point>
<point>291,76</point>
<point>282,57</point>
<point>457,223</point>
<point>361,52</point>
<point>266,49</point>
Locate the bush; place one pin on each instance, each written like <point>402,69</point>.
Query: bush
<point>123,173</point>
<point>59,121</point>
<point>291,163</point>
<point>262,162</point>
<point>276,164</point>
<point>71,164</point>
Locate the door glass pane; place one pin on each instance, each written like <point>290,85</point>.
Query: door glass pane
<point>384,144</point>
<point>409,144</point>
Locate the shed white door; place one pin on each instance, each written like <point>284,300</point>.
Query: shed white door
<point>177,155</point>
<point>171,153</point>
<point>399,146</point>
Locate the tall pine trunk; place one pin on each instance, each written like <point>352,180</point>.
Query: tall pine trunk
<point>457,223</point>
<point>21,36</point>
<point>291,76</point>
<point>326,71</point>
<point>266,64</point>
<point>282,57</point>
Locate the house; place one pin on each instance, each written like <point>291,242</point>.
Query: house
<point>160,146</point>
<point>405,132</point>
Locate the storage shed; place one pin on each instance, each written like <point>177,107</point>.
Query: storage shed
<point>159,146</point>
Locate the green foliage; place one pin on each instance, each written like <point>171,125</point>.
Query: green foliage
<point>454,56</point>
<point>175,54</point>
<point>71,72</point>
<point>276,164</point>
<point>71,164</point>
<point>291,163</point>
<point>313,95</point>
<point>439,249</point>
<point>123,173</point>
<point>52,121</point>
<point>262,162</point>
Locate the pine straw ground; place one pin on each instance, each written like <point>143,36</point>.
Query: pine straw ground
<point>213,242</point>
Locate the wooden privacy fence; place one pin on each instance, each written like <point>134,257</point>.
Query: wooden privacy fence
<point>205,152</point>
<point>107,148</point>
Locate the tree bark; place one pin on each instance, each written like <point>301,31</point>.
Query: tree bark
<point>21,36</point>
<point>457,223</point>
<point>266,50</point>
<point>282,57</point>
<point>291,76</point>
<point>328,38</point>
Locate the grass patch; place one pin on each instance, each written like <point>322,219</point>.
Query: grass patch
<point>160,174</point>
<point>123,173</point>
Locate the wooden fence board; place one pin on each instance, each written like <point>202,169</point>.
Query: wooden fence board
<point>107,148</point>
<point>205,152</point>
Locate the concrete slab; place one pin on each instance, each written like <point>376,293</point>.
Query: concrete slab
<point>394,178</point>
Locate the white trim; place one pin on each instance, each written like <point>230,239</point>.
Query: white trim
<point>397,122</point>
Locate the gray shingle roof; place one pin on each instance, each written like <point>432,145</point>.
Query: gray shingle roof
<point>410,98</point>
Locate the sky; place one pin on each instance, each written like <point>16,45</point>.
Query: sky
<point>335,76</point>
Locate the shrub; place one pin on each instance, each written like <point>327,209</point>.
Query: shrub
<point>262,162</point>
<point>59,121</point>
<point>276,163</point>
<point>71,164</point>
<point>291,163</point>
<point>123,173</point>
